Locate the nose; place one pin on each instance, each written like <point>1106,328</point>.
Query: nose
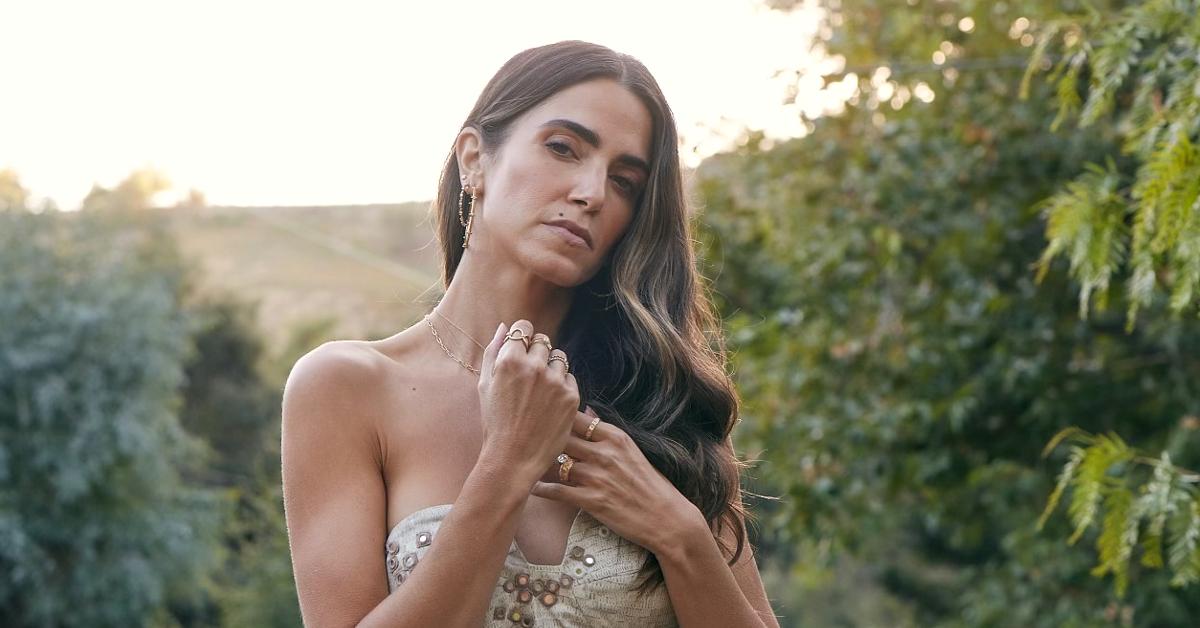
<point>588,191</point>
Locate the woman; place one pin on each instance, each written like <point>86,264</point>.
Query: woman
<point>446,476</point>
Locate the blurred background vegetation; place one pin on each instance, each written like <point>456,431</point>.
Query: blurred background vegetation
<point>997,240</point>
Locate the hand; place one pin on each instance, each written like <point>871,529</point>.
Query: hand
<point>614,482</point>
<point>527,403</point>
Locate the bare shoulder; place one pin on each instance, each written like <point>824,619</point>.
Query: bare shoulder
<point>333,488</point>
<point>335,388</point>
<point>337,366</point>
<point>349,384</point>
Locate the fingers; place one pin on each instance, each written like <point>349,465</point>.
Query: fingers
<point>579,427</point>
<point>513,348</point>
<point>574,495</point>
<point>556,365</point>
<point>493,348</point>
<point>580,474</point>
<point>540,347</point>
<point>578,449</point>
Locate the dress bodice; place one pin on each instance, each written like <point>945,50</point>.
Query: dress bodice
<point>592,586</point>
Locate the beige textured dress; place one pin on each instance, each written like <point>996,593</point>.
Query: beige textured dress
<point>589,588</point>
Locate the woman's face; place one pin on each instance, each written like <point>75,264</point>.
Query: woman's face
<point>576,162</point>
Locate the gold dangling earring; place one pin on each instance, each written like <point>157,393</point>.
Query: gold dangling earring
<point>461,188</point>
<point>470,220</point>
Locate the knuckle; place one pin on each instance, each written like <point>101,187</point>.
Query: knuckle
<point>526,367</point>
<point>505,362</point>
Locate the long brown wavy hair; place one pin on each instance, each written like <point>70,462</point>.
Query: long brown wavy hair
<point>645,363</point>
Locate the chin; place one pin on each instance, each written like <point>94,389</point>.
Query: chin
<point>557,269</point>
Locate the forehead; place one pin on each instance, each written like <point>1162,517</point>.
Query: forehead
<point>604,106</point>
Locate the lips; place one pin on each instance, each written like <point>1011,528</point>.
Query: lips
<point>573,227</point>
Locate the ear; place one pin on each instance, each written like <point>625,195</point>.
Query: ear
<point>468,149</point>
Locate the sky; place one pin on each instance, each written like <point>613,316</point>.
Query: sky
<point>323,103</point>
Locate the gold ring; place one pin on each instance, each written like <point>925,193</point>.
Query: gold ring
<point>560,358</point>
<point>523,338</point>
<point>588,434</point>
<point>543,339</point>
<point>565,463</point>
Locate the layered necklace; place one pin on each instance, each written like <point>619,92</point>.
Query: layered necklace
<point>438,338</point>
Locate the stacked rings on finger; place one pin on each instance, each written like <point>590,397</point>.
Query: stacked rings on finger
<point>543,339</point>
<point>565,463</point>
<point>560,358</point>
<point>588,434</point>
<point>518,334</point>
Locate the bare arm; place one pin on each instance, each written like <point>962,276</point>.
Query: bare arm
<point>336,509</point>
<point>704,590</point>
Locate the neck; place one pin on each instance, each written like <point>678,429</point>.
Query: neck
<point>485,292</point>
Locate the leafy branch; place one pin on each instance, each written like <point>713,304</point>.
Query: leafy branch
<point>1141,65</point>
<point>1102,476</point>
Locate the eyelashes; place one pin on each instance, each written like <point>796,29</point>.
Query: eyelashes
<point>565,149</point>
<point>562,149</point>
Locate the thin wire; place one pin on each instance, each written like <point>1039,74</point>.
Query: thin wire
<point>441,344</point>
<point>477,343</point>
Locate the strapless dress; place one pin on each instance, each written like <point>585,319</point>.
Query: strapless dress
<point>589,588</point>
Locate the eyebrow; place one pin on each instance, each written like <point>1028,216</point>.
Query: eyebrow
<point>590,137</point>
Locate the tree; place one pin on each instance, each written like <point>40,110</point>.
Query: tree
<point>12,195</point>
<point>899,363</point>
<point>1139,69</point>
<point>232,402</point>
<point>135,192</point>
<point>97,527</point>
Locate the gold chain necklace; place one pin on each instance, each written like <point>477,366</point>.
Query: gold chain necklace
<point>441,344</point>
<point>464,332</point>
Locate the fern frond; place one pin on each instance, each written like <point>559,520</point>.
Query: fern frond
<point>1086,220</point>
<point>1067,90</point>
<point>1112,61</point>
<point>1088,486</point>
<point>1049,31</point>
<point>1065,433</point>
<point>1118,535</point>
<point>1064,479</point>
<point>1175,201</point>
<point>1157,503</point>
<point>1187,259</point>
<point>1184,554</point>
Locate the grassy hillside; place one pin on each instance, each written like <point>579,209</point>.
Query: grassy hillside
<point>370,269</point>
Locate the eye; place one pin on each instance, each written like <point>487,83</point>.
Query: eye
<point>561,149</point>
<point>624,184</point>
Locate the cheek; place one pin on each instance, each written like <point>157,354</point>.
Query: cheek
<point>615,228</point>
<point>523,185</point>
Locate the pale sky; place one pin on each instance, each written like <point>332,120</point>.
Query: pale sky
<point>320,103</point>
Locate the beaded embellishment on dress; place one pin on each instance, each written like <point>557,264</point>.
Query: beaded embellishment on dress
<point>590,587</point>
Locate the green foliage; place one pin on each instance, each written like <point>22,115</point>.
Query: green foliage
<point>147,401</point>
<point>13,197</point>
<point>134,193</point>
<point>97,527</point>
<point>234,408</point>
<point>1164,503</point>
<point>897,357</point>
<point>1088,219</point>
<point>227,402</point>
<point>1139,67</point>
